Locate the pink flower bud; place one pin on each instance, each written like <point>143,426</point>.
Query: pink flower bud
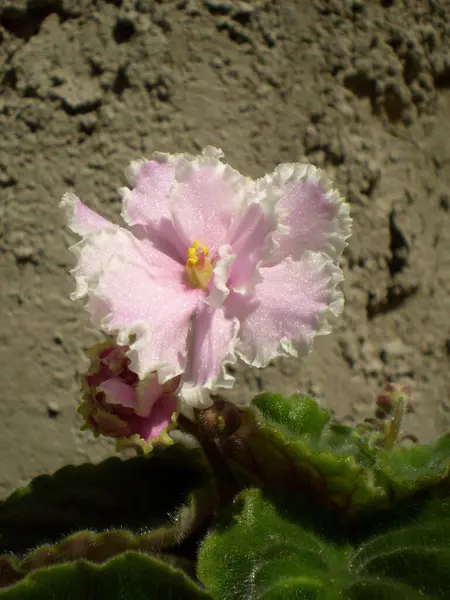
<point>116,403</point>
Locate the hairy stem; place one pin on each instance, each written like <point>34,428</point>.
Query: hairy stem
<point>227,486</point>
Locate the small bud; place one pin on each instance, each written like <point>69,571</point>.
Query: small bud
<point>388,400</point>
<point>117,404</point>
<point>221,419</point>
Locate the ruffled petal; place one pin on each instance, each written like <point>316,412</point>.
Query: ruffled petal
<point>148,307</point>
<point>313,217</point>
<point>206,199</point>
<point>251,242</point>
<point>152,180</point>
<point>218,288</point>
<point>81,219</point>
<point>147,204</point>
<point>288,309</point>
<point>94,252</point>
<point>212,340</point>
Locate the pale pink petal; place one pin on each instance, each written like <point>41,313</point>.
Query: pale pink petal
<point>289,308</point>
<point>154,306</point>
<point>211,347</point>
<point>94,252</point>
<point>159,419</point>
<point>206,199</point>
<point>147,203</point>
<point>250,243</point>
<point>313,217</point>
<point>118,392</point>
<point>218,287</point>
<point>148,391</point>
<point>81,219</point>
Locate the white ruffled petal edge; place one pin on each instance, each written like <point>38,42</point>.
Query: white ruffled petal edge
<point>219,290</point>
<point>302,347</point>
<point>243,187</point>
<point>92,221</point>
<point>274,184</point>
<point>132,175</point>
<point>95,239</point>
<point>186,163</point>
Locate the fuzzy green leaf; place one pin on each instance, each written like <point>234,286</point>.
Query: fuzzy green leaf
<point>412,556</point>
<point>272,548</point>
<point>263,551</point>
<point>175,541</point>
<point>409,469</point>
<point>134,494</point>
<point>292,443</point>
<point>130,576</point>
<point>299,414</point>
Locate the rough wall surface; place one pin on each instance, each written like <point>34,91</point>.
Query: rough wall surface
<point>360,88</point>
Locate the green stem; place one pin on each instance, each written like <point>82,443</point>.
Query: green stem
<point>393,429</point>
<point>227,486</point>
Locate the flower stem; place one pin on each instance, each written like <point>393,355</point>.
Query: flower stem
<point>394,426</point>
<point>227,486</point>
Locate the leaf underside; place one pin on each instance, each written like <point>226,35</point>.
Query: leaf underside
<point>130,576</point>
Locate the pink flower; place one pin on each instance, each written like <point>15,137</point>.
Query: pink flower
<point>211,266</point>
<point>116,403</point>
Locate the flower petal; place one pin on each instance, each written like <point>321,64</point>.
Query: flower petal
<point>160,418</point>
<point>313,217</point>
<point>152,305</point>
<point>94,252</point>
<point>147,203</point>
<point>152,181</point>
<point>250,243</point>
<point>81,219</point>
<point>289,308</point>
<point>206,199</point>
<point>218,287</point>
<point>148,391</point>
<point>212,340</point>
<point>118,392</point>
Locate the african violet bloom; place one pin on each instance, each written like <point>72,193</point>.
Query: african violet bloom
<point>212,266</point>
<point>116,403</point>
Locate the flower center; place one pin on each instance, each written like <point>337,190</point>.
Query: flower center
<point>198,266</point>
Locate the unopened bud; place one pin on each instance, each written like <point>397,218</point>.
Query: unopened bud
<point>117,404</point>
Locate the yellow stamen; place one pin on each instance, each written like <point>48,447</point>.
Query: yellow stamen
<point>198,266</point>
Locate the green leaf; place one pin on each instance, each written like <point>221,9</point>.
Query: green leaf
<point>413,556</point>
<point>171,541</point>
<point>299,414</point>
<point>136,494</point>
<point>262,550</point>
<point>274,548</point>
<point>131,576</point>
<point>409,469</point>
<point>292,443</point>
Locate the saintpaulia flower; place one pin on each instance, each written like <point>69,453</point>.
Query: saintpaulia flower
<point>116,403</point>
<point>212,266</point>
